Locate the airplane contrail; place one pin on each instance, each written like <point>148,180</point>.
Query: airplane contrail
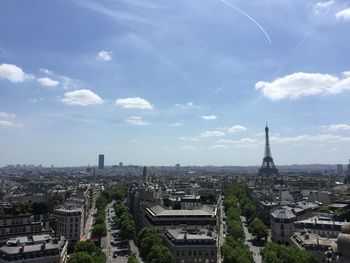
<point>250,18</point>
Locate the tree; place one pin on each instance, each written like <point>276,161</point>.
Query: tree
<point>99,230</point>
<point>147,243</point>
<point>159,254</point>
<point>132,259</point>
<point>127,226</point>
<point>249,210</point>
<point>258,229</point>
<point>274,253</point>
<point>236,252</point>
<point>177,205</point>
<point>80,257</point>
<point>167,202</point>
<point>147,231</point>
<point>86,246</point>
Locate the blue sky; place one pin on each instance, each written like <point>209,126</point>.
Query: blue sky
<point>159,82</point>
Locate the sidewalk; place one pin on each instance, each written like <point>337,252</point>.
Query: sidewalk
<point>135,250</point>
<point>88,225</point>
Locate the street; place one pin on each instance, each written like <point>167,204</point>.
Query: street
<point>248,241</point>
<point>117,252</point>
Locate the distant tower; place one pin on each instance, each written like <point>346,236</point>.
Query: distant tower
<point>144,174</point>
<point>339,169</point>
<point>101,161</point>
<point>268,168</point>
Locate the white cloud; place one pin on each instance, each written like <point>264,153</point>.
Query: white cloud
<point>134,103</point>
<point>346,73</point>
<point>209,117</point>
<point>36,100</point>
<point>187,106</point>
<point>104,55</point>
<point>48,82</point>
<point>310,138</point>
<point>136,120</point>
<point>241,141</point>
<point>210,134</point>
<point>176,124</point>
<point>237,128</point>
<point>82,97</point>
<point>303,84</point>
<point>339,127</point>
<point>7,115</point>
<point>192,139</point>
<point>46,71</point>
<point>13,73</point>
<point>325,4</point>
<point>343,14</point>
<point>5,124</point>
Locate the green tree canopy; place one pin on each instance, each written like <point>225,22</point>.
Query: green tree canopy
<point>159,254</point>
<point>80,257</point>
<point>258,229</point>
<point>275,253</point>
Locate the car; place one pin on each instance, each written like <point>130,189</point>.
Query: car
<point>113,243</point>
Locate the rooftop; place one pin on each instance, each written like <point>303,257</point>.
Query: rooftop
<point>204,210</point>
<point>283,213</point>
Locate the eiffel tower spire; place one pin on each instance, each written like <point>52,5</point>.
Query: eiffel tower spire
<point>268,167</point>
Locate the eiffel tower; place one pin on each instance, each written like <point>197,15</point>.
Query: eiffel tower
<point>268,168</point>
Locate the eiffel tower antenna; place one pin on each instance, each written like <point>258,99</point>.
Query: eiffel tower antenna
<point>268,167</point>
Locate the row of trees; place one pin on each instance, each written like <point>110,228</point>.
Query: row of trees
<point>234,250</point>
<point>151,248</point>
<point>247,208</point>
<point>87,252</point>
<point>275,253</point>
<point>124,220</point>
<point>99,229</point>
<point>113,193</point>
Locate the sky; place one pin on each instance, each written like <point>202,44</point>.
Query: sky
<point>160,82</point>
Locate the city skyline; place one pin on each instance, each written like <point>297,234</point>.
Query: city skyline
<point>164,82</point>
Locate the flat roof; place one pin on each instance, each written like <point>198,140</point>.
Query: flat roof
<point>180,234</point>
<point>159,211</point>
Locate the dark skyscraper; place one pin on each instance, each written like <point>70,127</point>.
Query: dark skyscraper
<point>101,161</point>
<point>144,174</point>
<point>268,167</point>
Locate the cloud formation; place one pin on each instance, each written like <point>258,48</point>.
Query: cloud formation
<point>303,84</point>
<point>13,73</point>
<point>210,134</point>
<point>7,115</point>
<point>176,124</point>
<point>343,14</point>
<point>236,142</point>
<point>134,103</point>
<point>48,82</point>
<point>339,127</point>
<point>209,117</point>
<point>310,138</point>
<point>5,124</point>
<point>136,120</point>
<point>82,97</point>
<point>237,128</point>
<point>187,106</point>
<point>104,55</point>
